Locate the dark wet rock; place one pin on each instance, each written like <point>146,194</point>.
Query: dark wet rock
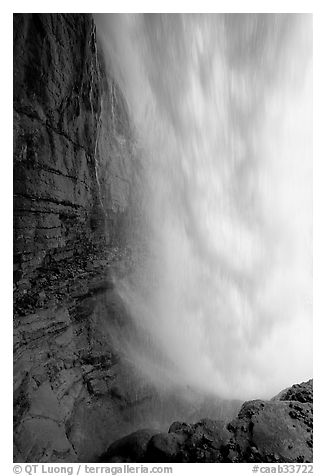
<point>200,442</point>
<point>165,447</point>
<point>128,449</point>
<point>179,426</point>
<point>301,392</point>
<point>271,431</point>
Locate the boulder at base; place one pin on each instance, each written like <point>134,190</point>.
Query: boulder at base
<point>279,430</point>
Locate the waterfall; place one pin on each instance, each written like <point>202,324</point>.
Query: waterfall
<point>222,110</point>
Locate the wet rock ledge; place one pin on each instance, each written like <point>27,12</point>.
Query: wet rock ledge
<point>271,431</point>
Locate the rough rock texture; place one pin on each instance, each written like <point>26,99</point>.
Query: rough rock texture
<point>73,171</point>
<point>302,392</point>
<point>278,430</point>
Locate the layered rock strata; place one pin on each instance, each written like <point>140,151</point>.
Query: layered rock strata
<point>73,171</point>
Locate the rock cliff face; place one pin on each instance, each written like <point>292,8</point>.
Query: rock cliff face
<point>279,430</point>
<point>73,171</point>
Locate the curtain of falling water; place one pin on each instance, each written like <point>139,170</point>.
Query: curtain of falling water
<point>222,111</point>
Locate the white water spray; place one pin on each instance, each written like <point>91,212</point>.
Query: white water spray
<point>222,110</point>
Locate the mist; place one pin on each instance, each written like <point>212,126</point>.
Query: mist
<point>222,113</point>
